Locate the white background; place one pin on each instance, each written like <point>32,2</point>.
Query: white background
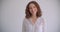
<point>12,14</point>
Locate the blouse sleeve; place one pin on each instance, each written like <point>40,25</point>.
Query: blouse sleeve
<point>43,23</point>
<point>24,26</point>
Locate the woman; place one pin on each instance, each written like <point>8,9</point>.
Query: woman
<point>33,21</point>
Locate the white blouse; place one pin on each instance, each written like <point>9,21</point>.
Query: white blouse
<point>28,26</point>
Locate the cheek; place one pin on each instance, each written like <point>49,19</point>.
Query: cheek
<point>31,11</point>
<point>35,9</point>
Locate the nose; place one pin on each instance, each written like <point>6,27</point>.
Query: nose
<point>32,9</point>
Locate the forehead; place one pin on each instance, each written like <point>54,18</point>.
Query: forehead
<point>31,5</point>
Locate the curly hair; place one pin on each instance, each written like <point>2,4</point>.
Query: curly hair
<point>27,12</point>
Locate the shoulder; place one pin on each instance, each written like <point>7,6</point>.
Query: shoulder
<point>41,19</point>
<point>25,19</point>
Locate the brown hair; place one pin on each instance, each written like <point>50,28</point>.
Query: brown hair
<point>28,14</point>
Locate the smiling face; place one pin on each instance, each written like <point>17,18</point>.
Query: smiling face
<point>32,9</point>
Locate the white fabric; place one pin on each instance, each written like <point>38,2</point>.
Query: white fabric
<point>29,27</point>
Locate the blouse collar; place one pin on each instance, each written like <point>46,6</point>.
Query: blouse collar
<point>30,20</point>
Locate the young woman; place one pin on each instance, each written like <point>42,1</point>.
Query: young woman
<point>33,21</point>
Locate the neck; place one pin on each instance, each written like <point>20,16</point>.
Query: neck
<point>34,16</point>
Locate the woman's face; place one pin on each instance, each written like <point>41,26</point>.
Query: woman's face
<point>32,9</point>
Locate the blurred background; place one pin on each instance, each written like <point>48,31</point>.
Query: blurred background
<point>12,13</point>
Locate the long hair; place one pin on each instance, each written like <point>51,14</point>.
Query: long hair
<point>27,12</point>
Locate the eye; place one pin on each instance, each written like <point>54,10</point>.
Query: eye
<point>30,8</point>
<point>34,6</point>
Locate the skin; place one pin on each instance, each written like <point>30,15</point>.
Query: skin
<point>33,11</point>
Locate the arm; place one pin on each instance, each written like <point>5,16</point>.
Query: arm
<point>23,27</point>
<point>43,25</point>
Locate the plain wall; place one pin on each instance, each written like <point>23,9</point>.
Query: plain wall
<point>59,14</point>
<point>12,14</point>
